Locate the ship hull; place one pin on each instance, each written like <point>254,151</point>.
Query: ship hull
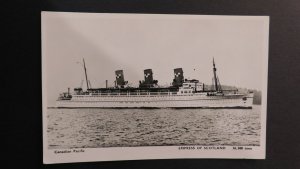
<point>169,101</point>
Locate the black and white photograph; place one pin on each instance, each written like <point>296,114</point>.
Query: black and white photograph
<point>153,86</point>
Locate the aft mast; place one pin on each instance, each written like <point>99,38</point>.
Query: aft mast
<point>215,75</point>
<point>216,79</point>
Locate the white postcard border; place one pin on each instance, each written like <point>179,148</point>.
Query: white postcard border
<point>159,152</point>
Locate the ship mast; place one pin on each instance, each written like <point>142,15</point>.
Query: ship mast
<point>86,78</point>
<point>215,76</point>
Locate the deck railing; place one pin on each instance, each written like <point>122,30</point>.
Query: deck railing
<point>132,93</point>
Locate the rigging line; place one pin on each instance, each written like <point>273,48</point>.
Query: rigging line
<point>219,84</point>
<point>90,84</point>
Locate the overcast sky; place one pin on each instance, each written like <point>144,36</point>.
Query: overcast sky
<point>134,42</point>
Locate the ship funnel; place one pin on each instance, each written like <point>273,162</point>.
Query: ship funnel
<point>148,82</point>
<point>119,78</point>
<point>148,76</point>
<point>178,77</point>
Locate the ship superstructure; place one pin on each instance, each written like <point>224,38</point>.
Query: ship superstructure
<point>182,93</point>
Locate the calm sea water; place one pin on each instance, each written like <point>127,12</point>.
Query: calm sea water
<point>92,128</point>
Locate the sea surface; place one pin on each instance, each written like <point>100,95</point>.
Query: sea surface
<point>94,128</point>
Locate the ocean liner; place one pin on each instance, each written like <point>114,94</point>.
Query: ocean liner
<point>182,93</point>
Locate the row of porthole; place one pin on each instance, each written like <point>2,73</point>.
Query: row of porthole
<point>186,92</point>
<point>223,101</point>
<point>92,98</point>
<point>128,96</point>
